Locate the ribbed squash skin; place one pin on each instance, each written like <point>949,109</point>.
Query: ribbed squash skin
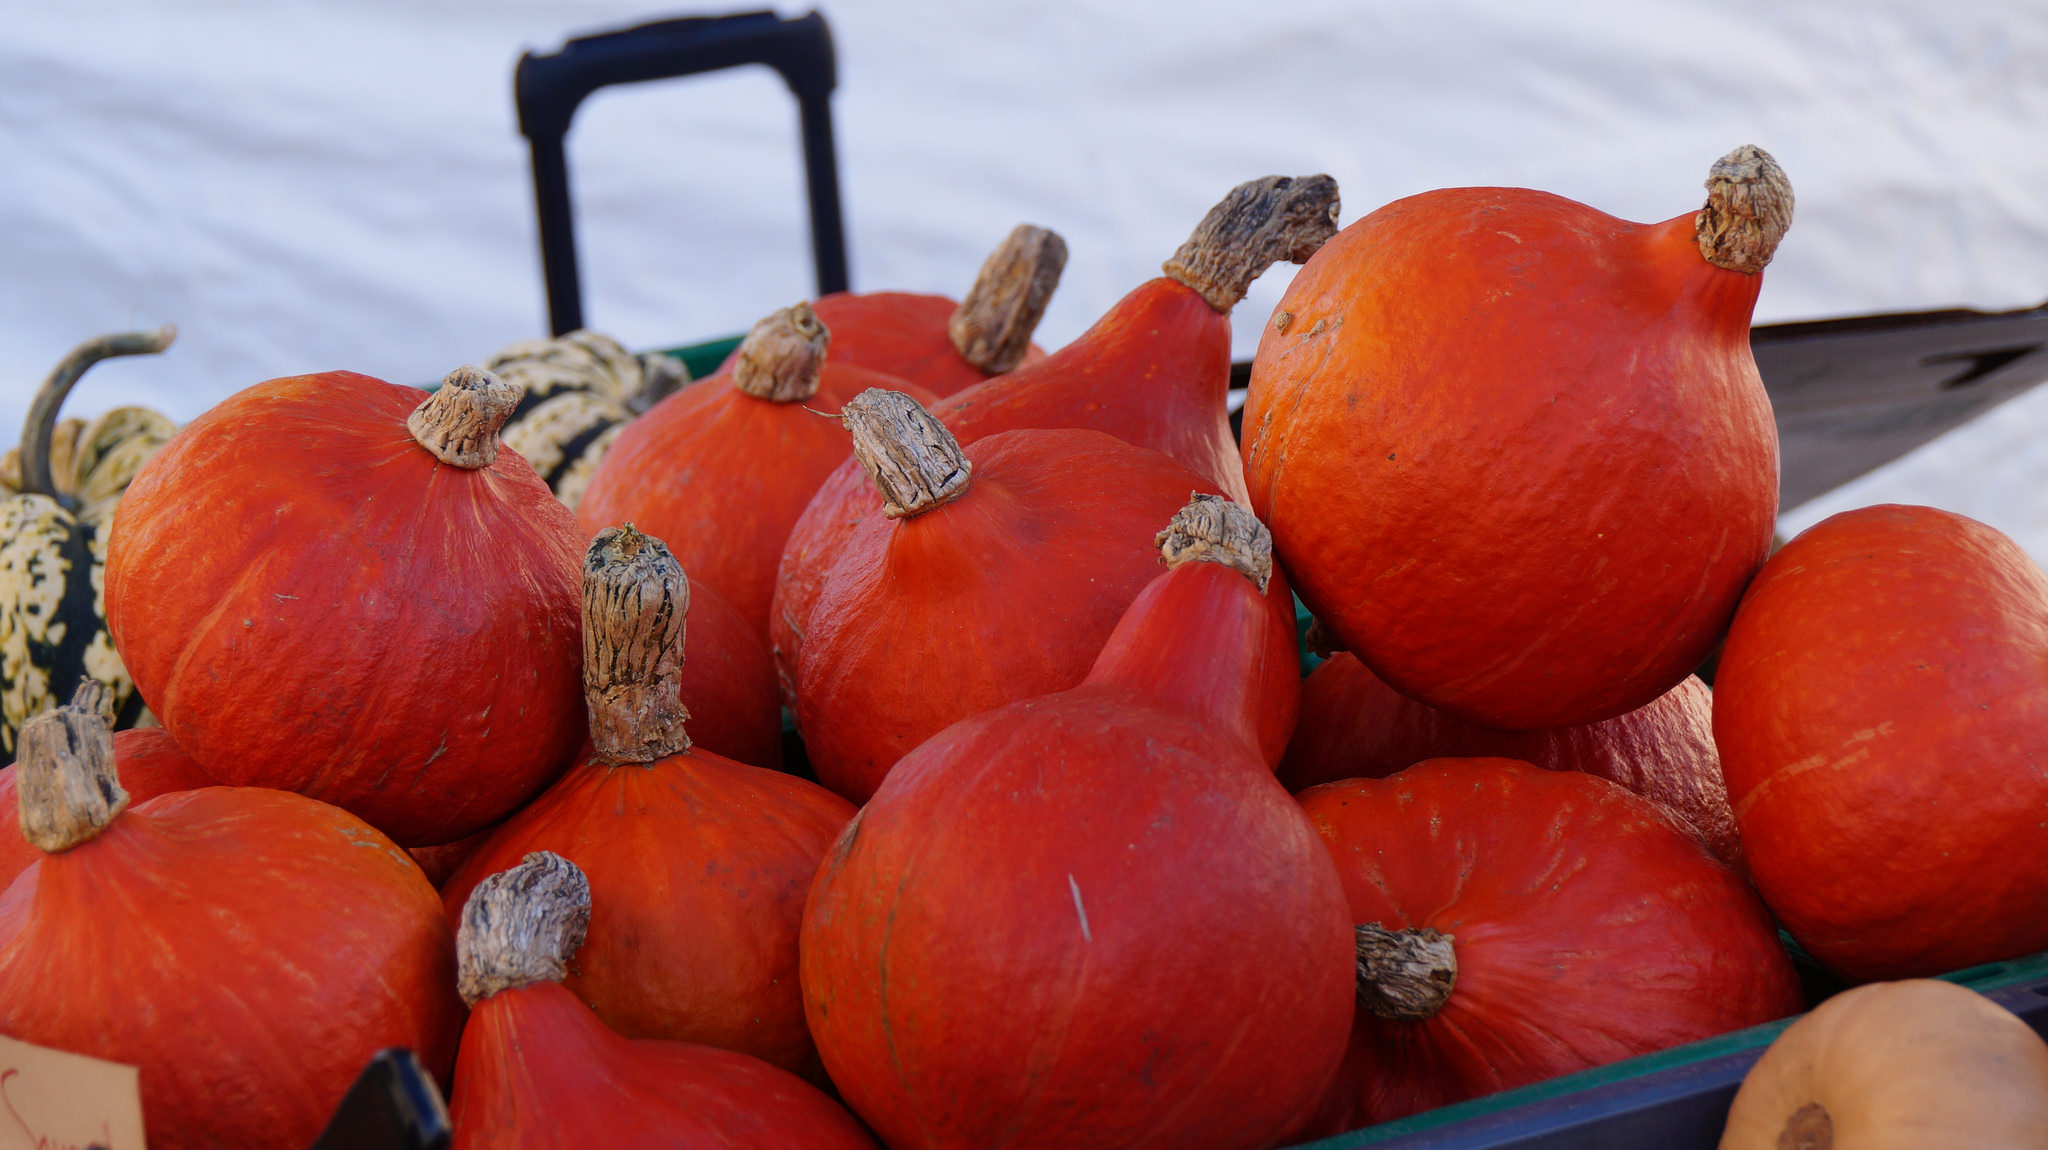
<point>1154,371</point>
<point>249,949</point>
<point>53,612</point>
<point>1006,592</point>
<point>314,602</point>
<point>92,463</point>
<point>1589,927</point>
<point>53,626</point>
<point>1882,713</point>
<point>539,1072</point>
<point>566,437</point>
<point>721,476</point>
<point>1515,451</point>
<point>149,764</point>
<point>1090,919</point>
<point>698,869</point>
<point>1353,726</point>
<point>581,389</point>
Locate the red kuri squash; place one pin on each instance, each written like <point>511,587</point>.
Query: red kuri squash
<point>248,949</point>
<point>439,863</point>
<point>338,586</point>
<point>968,593</point>
<point>700,864</point>
<point>943,346</point>
<point>728,683</point>
<point>539,1070</point>
<point>1515,452</point>
<point>1154,371</point>
<point>720,470</point>
<point>1355,727</point>
<point>1246,674</point>
<point>148,764</point>
<point>1517,924</point>
<point>1882,713</point>
<point>1091,919</point>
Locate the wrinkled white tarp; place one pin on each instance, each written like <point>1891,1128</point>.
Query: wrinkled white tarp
<point>303,186</point>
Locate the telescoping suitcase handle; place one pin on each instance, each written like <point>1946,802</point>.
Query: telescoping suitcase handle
<point>548,88</point>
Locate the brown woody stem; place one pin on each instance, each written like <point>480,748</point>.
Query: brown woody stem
<point>521,926</point>
<point>911,457</point>
<point>1212,529</point>
<point>67,786</point>
<point>1257,225</point>
<point>992,326</point>
<point>459,423</point>
<point>636,602</point>
<point>1749,206</point>
<point>1404,975</point>
<point>781,358</point>
<point>36,475</point>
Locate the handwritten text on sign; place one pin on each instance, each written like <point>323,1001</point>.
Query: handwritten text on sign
<point>51,1100</point>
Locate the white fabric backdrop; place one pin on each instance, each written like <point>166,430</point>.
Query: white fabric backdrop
<point>303,186</point>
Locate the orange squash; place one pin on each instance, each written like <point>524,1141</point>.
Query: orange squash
<point>149,764</point>
<point>1515,451</point>
<point>720,470</point>
<point>1154,371</point>
<point>1517,924</point>
<point>1092,919</point>
<point>1250,679</point>
<point>1882,713</point>
<point>339,586</point>
<point>699,864</point>
<point>728,682</point>
<point>997,573</point>
<point>1355,727</point>
<point>1897,1066</point>
<point>943,346</point>
<point>248,949</point>
<point>539,1071</point>
<point>439,863</point>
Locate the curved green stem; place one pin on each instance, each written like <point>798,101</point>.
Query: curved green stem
<point>42,412</point>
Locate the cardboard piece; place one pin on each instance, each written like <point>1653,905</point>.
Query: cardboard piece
<point>54,1100</point>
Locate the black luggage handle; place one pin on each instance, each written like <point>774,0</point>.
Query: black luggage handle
<point>549,88</point>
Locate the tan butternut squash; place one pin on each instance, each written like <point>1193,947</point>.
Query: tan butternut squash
<point>1906,1065</point>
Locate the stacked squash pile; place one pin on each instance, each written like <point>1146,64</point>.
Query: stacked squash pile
<point>1085,863</point>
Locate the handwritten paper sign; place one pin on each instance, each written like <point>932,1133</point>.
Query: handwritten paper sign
<point>53,1100</point>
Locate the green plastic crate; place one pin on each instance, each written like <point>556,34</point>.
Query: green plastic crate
<point>701,359</point>
<point>1990,977</point>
